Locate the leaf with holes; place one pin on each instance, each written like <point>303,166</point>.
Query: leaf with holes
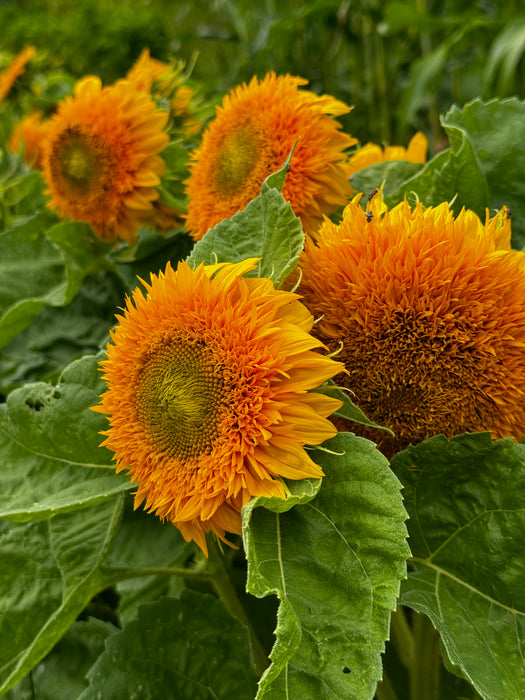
<point>466,502</point>
<point>50,446</point>
<point>335,562</point>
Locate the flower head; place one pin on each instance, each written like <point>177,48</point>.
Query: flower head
<point>209,402</point>
<point>370,153</point>
<point>17,67</point>
<point>29,136</point>
<point>147,71</point>
<point>167,81</point>
<point>430,309</point>
<point>101,161</point>
<point>251,137</point>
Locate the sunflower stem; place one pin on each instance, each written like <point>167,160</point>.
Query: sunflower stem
<point>426,660</point>
<point>402,637</point>
<point>227,593</point>
<point>193,574</point>
<point>385,690</point>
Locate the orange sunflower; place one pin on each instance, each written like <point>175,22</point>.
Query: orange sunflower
<point>209,402</point>
<point>17,67</point>
<point>101,161</point>
<point>29,136</point>
<point>251,137</point>
<point>370,153</point>
<point>430,311</point>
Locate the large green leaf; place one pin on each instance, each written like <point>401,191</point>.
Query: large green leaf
<point>391,175</point>
<point>453,175</point>
<point>50,447</point>
<point>59,335</point>
<point>50,570</point>
<point>187,648</point>
<point>335,563</point>
<point>43,265</point>
<point>466,502</point>
<point>496,132</point>
<point>61,675</point>
<point>145,572</point>
<point>32,274</point>
<point>481,170</point>
<point>266,229</point>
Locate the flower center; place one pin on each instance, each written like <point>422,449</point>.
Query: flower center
<point>75,160</point>
<point>236,159</point>
<point>180,397</point>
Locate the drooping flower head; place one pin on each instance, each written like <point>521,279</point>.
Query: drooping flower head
<point>15,69</point>
<point>101,161</point>
<point>370,153</point>
<point>430,309</point>
<point>251,137</point>
<point>29,136</point>
<point>146,71</point>
<point>168,81</point>
<point>209,402</point>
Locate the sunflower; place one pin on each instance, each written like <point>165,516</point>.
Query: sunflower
<point>15,69</point>
<point>209,402</point>
<point>370,153</point>
<point>101,161</point>
<point>147,72</point>
<point>251,137</point>
<point>430,311</point>
<point>29,136</point>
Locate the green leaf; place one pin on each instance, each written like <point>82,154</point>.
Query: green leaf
<point>496,133</point>
<point>466,502</point>
<point>335,563</point>
<point>32,274</point>
<point>61,674</point>
<point>59,335</point>
<point>276,180</point>
<point>393,173</point>
<point>50,447</point>
<point>266,229</point>
<point>150,254</point>
<point>84,252</point>
<point>348,410</point>
<point>187,648</point>
<point>152,568</point>
<point>453,175</point>
<point>50,571</point>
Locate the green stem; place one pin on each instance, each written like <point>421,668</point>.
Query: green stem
<point>193,574</point>
<point>401,636</point>
<point>227,593</point>
<point>385,690</point>
<point>426,660</point>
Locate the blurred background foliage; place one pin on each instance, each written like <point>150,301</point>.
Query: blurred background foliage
<point>400,63</point>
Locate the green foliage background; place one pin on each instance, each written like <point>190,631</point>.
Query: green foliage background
<point>400,63</point>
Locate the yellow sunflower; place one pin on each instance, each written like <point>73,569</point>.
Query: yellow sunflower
<point>101,161</point>
<point>29,136</point>
<point>17,67</point>
<point>370,153</point>
<point>147,71</point>
<point>209,377</point>
<point>430,311</point>
<point>251,137</point>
